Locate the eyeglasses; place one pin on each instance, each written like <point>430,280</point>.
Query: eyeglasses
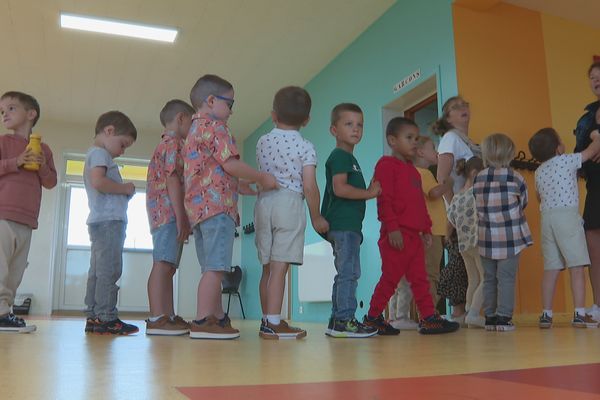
<point>458,106</point>
<point>228,100</point>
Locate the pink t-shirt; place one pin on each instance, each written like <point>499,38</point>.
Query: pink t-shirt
<point>166,161</point>
<point>209,190</point>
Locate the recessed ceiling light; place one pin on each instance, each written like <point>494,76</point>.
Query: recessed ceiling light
<point>121,28</point>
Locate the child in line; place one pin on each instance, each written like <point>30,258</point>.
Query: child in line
<point>212,167</point>
<point>501,198</point>
<point>405,229</point>
<point>169,223</point>
<point>107,199</point>
<point>279,215</point>
<point>563,236</point>
<point>20,198</point>
<point>462,214</point>
<point>344,209</point>
<point>433,192</point>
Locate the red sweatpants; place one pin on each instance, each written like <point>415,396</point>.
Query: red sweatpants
<point>409,261</point>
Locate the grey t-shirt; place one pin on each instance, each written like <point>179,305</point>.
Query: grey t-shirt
<point>103,206</point>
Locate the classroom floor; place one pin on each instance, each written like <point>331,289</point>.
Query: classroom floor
<point>60,362</point>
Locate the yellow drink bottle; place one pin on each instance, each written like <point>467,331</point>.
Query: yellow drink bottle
<point>35,145</point>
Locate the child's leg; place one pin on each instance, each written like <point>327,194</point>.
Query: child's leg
<point>90,289</point>
<point>548,287</point>
<point>507,273</point>
<point>402,299</point>
<point>110,238</point>
<point>433,257</point>
<point>160,289</point>
<point>578,286</point>
<point>262,288</point>
<point>209,295</point>
<point>490,286</point>
<point>472,274</point>
<point>14,248</point>
<point>346,249</point>
<point>276,287</point>
<point>416,275</point>
<point>477,301</point>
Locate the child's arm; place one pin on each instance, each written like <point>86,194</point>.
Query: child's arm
<point>593,150</point>
<point>313,197</point>
<point>438,191</point>
<point>47,171</point>
<point>444,170</point>
<point>103,184</point>
<point>341,188</point>
<point>175,191</point>
<point>236,167</point>
<point>385,207</point>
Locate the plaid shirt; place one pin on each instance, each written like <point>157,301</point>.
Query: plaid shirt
<point>501,197</point>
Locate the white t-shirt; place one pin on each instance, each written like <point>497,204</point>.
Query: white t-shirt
<point>453,144</point>
<point>556,181</point>
<point>284,154</point>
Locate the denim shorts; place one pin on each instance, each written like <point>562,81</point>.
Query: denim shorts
<point>214,242</point>
<point>165,245</point>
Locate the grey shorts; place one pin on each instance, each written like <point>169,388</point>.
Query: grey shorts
<point>165,246</point>
<point>214,242</point>
<point>280,221</point>
<point>563,239</point>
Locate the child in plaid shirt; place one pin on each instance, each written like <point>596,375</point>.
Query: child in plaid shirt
<point>500,196</point>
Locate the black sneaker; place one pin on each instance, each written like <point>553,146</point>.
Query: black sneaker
<point>350,329</point>
<point>434,324</point>
<point>115,327</point>
<point>90,323</point>
<point>383,328</point>
<point>545,321</point>
<point>504,324</point>
<point>490,323</point>
<point>11,323</point>
<point>329,326</point>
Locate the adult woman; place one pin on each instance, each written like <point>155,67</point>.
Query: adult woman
<point>591,170</point>
<point>455,144</point>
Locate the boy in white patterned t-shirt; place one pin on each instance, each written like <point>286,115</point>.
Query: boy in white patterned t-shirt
<point>279,215</point>
<point>563,236</point>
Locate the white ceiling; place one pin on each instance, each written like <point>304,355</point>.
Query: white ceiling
<point>259,45</point>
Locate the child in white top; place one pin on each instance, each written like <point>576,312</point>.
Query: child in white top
<point>563,236</point>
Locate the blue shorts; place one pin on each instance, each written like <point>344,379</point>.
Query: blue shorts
<point>214,242</point>
<point>166,247</point>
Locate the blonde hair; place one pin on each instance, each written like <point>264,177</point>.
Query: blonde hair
<point>497,150</point>
<point>422,141</point>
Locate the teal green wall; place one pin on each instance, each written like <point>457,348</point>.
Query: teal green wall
<point>412,34</point>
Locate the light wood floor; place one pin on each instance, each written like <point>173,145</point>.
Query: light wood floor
<point>60,362</point>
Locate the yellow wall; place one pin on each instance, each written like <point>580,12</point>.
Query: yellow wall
<point>501,71</point>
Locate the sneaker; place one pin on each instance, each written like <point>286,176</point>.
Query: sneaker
<point>180,322</point>
<point>545,321</point>
<point>351,329</point>
<point>115,327</point>
<point>212,328</point>
<point>594,311</point>
<point>435,324</point>
<point>404,323</point>
<point>11,323</point>
<point>225,322</point>
<point>584,321</point>
<point>165,326</point>
<point>504,324</point>
<point>329,326</point>
<point>475,321</point>
<point>459,319</point>
<point>90,323</point>
<point>383,328</point>
<point>490,323</point>
<point>281,331</point>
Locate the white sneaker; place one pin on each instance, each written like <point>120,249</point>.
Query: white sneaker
<point>460,319</point>
<point>404,324</point>
<point>475,322</point>
<point>594,311</point>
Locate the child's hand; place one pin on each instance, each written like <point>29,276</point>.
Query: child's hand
<point>183,229</point>
<point>427,240</point>
<point>29,156</point>
<point>320,224</point>
<point>374,189</point>
<point>595,135</point>
<point>450,182</point>
<point>396,240</point>
<point>245,188</point>
<point>267,182</point>
<point>129,189</point>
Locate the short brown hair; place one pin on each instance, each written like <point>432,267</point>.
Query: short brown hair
<point>172,108</point>
<point>465,167</point>
<point>292,105</point>
<point>343,107</point>
<point>595,65</point>
<point>121,122</point>
<point>28,101</point>
<point>497,150</point>
<point>543,144</point>
<point>396,124</point>
<point>208,85</point>
<point>441,126</point>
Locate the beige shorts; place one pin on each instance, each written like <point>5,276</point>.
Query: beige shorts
<point>563,239</point>
<point>279,222</point>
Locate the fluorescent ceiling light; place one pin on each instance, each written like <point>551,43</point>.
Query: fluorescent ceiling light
<point>117,28</point>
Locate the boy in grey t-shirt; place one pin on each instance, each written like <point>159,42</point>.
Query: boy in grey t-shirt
<point>107,198</point>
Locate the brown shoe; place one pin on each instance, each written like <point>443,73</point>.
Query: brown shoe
<point>584,321</point>
<point>166,326</point>
<point>181,322</point>
<point>210,328</point>
<point>281,331</point>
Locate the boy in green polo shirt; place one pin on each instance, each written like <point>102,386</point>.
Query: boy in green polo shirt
<point>344,208</point>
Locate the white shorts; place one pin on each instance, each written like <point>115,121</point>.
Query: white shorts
<point>563,239</point>
<point>279,222</point>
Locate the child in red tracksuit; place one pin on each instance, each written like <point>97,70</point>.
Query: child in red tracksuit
<point>405,228</point>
